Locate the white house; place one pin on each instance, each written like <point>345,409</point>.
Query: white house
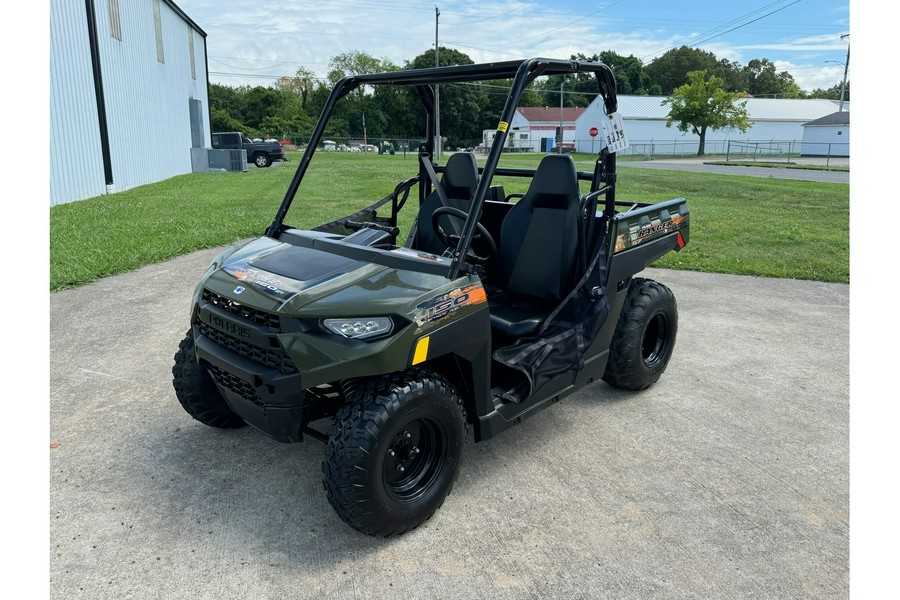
<point>534,128</point>
<point>827,136</point>
<point>774,123</point>
<point>129,95</point>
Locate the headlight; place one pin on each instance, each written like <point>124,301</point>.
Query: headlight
<point>362,328</point>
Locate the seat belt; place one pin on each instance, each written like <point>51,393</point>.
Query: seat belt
<point>442,195</point>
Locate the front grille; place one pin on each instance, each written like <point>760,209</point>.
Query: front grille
<point>274,358</point>
<point>252,315</point>
<point>235,384</point>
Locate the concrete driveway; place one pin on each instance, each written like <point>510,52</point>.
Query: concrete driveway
<point>727,479</point>
<point>698,165</point>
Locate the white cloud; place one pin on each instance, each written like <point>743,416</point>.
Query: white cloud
<point>810,77</point>
<point>304,34</point>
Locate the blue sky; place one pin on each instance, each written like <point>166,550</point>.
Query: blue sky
<point>254,43</point>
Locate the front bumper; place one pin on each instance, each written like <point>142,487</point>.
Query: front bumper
<point>273,404</point>
<point>254,374</point>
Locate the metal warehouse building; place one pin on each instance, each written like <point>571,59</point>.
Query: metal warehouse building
<point>828,136</point>
<point>129,95</point>
<point>774,123</point>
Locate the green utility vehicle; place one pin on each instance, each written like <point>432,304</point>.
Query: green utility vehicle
<point>494,307</point>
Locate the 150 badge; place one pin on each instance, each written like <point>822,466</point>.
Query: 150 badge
<point>441,307</point>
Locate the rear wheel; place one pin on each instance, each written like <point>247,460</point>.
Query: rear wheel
<point>262,160</point>
<point>645,336</point>
<point>196,391</point>
<point>394,452</point>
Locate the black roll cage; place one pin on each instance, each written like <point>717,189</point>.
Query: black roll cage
<point>423,80</point>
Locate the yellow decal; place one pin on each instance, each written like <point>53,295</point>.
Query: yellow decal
<point>503,126</point>
<point>421,352</point>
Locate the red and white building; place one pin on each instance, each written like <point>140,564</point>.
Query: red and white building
<point>535,129</point>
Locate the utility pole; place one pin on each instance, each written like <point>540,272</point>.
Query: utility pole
<point>846,64</point>
<point>561,134</point>
<point>437,92</point>
<point>365,135</point>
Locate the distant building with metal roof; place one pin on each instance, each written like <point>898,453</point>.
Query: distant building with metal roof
<point>827,136</point>
<point>771,120</point>
<point>534,128</point>
<point>838,118</point>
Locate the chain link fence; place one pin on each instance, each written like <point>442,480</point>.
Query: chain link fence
<point>731,150</point>
<point>378,144</point>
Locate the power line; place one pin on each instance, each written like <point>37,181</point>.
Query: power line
<point>491,18</point>
<point>299,62</point>
<point>745,24</point>
<point>571,22</point>
<point>248,68</point>
<point>726,24</point>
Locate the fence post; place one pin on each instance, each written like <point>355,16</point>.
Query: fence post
<point>828,158</point>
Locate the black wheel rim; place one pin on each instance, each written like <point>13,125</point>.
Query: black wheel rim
<point>415,459</point>
<point>656,339</point>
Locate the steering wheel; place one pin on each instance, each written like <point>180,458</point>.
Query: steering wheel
<point>452,240</point>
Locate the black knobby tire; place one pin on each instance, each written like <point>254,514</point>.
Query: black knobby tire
<point>196,391</point>
<point>413,420</point>
<point>645,336</point>
<point>262,160</point>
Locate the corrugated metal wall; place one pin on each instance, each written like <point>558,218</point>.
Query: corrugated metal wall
<point>826,140</point>
<point>147,102</point>
<point>670,140</point>
<point>76,163</point>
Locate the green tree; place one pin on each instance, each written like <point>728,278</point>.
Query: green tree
<point>832,93</point>
<point>461,104</point>
<point>220,120</point>
<point>259,103</point>
<point>302,84</point>
<point>671,69</point>
<point>356,62</point>
<point>764,80</point>
<point>703,104</point>
<point>631,77</point>
<point>225,98</point>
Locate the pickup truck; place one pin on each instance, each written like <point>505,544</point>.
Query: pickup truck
<point>260,154</point>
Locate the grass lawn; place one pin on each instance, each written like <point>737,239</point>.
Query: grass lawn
<point>740,225</point>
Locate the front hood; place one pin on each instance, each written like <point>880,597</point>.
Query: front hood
<point>281,277</point>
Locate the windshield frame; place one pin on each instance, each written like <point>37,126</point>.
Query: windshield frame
<point>423,81</point>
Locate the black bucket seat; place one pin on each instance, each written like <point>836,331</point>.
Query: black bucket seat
<point>459,180</point>
<point>541,250</point>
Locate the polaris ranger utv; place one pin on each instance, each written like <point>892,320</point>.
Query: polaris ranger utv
<point>496,306</point>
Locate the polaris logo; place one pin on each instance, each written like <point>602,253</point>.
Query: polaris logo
<point>234,329</point>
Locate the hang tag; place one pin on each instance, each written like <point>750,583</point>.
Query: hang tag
<point>614,133</point>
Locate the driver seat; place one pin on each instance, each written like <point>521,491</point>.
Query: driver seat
<point>540,256</point>
<point>459,180</point>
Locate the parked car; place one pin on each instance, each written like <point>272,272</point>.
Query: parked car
<point>261,154</point>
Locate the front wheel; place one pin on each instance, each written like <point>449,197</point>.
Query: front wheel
<point>262,160</point>
<point>197,392</point>
<point>645,336</point>
<point>394,452</point>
